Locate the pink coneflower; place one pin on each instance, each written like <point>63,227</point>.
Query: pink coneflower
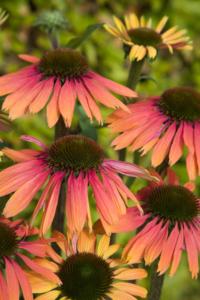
<point>164,124</point>
<point>58,78</point>
<point>170,226</point>
<point>15,252</point>
<point>78,162</point>
<point>88,272</point>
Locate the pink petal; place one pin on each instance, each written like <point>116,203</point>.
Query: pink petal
<point>20,107</point>
<point>26,72</point>
<point>23,281</point>
<point>52,107</point>
<point>39,269</point>
<point>34,140</point>
<point>127,222</point>
<point>177,253</point>
<point>21,92</point>
<point>23,196</point>
<point>42,98</point>
<point>41,202</point>
<point>3,288</point>
<point>197,143</point>
<point>104,204</point>
<point>67,101</point>
<point>168,250</point>
<point>192,251</point>
<point>52,203</point>
<point>83,98</point>
<point>113,86</point>
<point>191,164</point>
<point>12,282</point>
<point>113,193</point>
<point>103,95</point>
<point>37,248</point>
<point>128,169</point>
<point>20,155</point>
<point>155,248</point>
<point>93,107</point>
<point>76,202</point>
<point>163,145</point>
<point>29,58</point>
<point>176,149</point>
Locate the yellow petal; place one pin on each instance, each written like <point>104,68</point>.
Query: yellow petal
<point>118,295</point>
<point>152,51</point>
<point>141,53</point>
<point>112,30</point>
<point>86,242</point>
<point>39,284</point>
<point>142,22</point>
<point>169,32</point>
<point>103,245</point>
<point>133,20</point>
<point>130,274</point>
<point>132,54</point>
<point>119,25</point>
<point>111,250</point>
<point>149,23</point>
<point>131,288</point>
<point>49,296</point>
<point>161,24</point>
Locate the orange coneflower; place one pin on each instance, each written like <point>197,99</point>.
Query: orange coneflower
<point>59,78</point>
<point>88,272</point>
<point>142,40</point>
<point>164,124</point>
<point>16,254</point>
<point>78,162</point>
<point>170,226</point>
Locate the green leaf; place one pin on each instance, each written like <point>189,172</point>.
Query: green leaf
<point>77,41</point>
<point>144,78</point>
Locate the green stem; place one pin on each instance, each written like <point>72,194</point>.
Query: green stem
<point>156,283</point>
<point>132,81</point>
<point>58,222</point>
<point>134,73</point>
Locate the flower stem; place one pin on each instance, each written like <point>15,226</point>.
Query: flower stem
<point>132,81</point>
<point>134,73</point>
<point>58,222</point>
<point>156,283</point>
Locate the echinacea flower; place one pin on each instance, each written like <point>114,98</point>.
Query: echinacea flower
<point>170,226</point>
<point>164,124</point>
<point>89,273</point>
<point>57,79</point>
<point>77,162</point>
<point>16,253</point>
<point>142,40</point>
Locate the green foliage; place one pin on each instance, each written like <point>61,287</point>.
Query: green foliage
<point>105,55</point>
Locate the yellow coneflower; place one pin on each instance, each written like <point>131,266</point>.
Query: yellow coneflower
<point>88,273</point>
<point>143,40</point>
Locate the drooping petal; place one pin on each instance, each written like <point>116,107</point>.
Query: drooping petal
<point>163,145</point>
<point>43,97</point>
<point>76,202</point>
<point>40,269</point>
<point>23,281</point>
<point>113,86</point>
<point>12,281</point>
<point>52,107</point>
<point>22,197</point>
<point>52,203</point>
<point>67,101</point>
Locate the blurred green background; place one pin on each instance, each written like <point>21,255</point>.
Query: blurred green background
<point>106,56</point>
